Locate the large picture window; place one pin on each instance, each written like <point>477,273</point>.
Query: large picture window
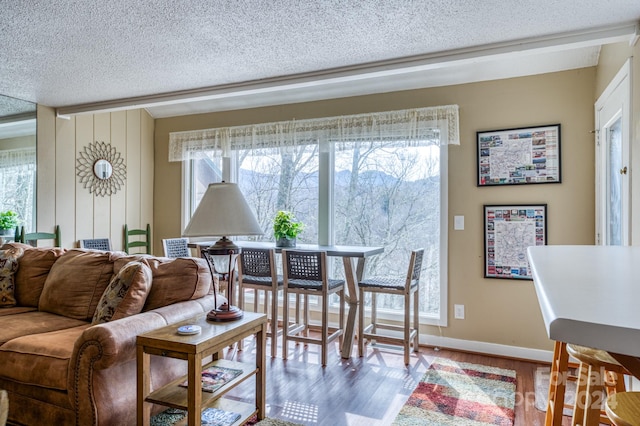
<point>385,191</point>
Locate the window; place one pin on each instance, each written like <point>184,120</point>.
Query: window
<point>380,188</point>
<point>18,183</point>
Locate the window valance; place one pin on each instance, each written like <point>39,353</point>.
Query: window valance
<point>17,157</point>
<point>432,125</point>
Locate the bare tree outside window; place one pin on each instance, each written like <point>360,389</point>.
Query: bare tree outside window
<point>384,194</point>
<point>388,194</point>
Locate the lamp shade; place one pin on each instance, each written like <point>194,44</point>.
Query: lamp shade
<point>223,211</point>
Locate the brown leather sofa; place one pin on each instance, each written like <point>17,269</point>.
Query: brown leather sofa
<point>57,367</point>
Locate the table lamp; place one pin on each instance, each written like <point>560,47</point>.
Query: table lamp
<point>223,211</point>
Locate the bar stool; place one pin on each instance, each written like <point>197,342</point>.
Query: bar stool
<point>560,373</point>
<point>623,408</point>
<point>404,286</point>
<point>305,274</point>
<point>599,373</point>
<point>590,360</point>
<point>257,271</point>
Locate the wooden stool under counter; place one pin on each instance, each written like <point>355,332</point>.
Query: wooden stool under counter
<point>623,408</point>
<point>599,375</point>
<point>560,374</point>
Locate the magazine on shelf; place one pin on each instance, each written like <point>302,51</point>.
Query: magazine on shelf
<point>217,417</point>
<point>213,378</point>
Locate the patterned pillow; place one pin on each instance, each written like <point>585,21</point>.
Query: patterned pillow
<point>8,267</point>
<point>126,293</point>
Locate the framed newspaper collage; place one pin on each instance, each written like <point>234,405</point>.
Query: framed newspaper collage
<point>527,155</point>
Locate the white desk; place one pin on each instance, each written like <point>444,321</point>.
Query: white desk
<point>590,296</point>
<point>352,275</point>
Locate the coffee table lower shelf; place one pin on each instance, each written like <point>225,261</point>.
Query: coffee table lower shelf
<point>245,410</point>
<point>176,396</point>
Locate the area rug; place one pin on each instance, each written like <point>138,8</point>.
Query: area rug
<point>172,416</point>
<point>541,383</point>
<point>461,394</point>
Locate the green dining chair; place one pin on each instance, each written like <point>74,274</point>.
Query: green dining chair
<point>145,242</point>
<point>33,237</point>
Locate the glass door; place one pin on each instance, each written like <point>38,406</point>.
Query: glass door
<point>612,162</point>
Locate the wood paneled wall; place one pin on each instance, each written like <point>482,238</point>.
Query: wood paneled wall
<point>63,200</point>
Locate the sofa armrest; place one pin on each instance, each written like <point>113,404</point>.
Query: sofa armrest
<point>113,344</point>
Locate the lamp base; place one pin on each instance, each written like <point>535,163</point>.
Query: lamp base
<point>225,313</point>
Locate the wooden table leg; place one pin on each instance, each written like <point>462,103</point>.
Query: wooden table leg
<point>144,387</point>
<point>194,389</point>
<point>261,377</point>
<point>352,277</point>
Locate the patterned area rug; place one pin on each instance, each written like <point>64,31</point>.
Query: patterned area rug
<point>461,394</point>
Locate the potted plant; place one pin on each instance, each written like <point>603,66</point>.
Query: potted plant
<point>8,222</point>
<point>286,229</point>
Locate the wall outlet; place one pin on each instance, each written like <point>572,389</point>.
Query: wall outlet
<point>458,311</point>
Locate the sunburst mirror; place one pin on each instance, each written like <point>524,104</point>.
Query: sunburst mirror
<point>101,169</point>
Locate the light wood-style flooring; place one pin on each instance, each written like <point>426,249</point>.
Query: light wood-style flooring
<point>366,391</point>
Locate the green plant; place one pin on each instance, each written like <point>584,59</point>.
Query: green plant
<point>286,226</point>
<point>9,219</point>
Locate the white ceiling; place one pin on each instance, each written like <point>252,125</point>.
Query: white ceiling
<point>191,56</point>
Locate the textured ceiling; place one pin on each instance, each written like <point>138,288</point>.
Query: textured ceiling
<point>64,53</point>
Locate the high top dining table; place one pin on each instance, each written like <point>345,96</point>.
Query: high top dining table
<point>353,273</point>
<point>590,296</point>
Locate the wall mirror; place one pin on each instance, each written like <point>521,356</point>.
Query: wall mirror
<point>18,159</point>
<point>102,169</point>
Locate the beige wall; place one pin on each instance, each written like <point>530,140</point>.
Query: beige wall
<point>497,311</point>
<point>62,200</point>
<point>612,57</point>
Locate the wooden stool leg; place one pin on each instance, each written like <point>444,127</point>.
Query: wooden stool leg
<point>595,396</point>
<point>581,395</point>
<point>557,385</point>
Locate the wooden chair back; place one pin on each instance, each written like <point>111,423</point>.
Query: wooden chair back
<point>33,237</point>
<point>145,242</point>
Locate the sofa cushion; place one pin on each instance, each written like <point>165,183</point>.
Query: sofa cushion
<point>174,280</point>
<point>16,310</point>
<point>26,323</point>
<point>126,293</point>
<point>40,359</point>
<point>76,282</point>
<point>8,267</point>
<point>34,266</point>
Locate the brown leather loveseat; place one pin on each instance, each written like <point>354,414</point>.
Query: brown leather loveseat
<point>62,367</point>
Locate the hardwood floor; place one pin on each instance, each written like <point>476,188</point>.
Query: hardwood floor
<point>366,391</point>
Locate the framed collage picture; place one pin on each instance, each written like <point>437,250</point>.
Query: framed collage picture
<point>508,231</point>
<point>519,156</point>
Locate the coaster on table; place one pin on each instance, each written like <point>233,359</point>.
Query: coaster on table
<point>189,329</point>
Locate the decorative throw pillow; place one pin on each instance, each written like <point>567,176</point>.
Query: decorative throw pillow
<point>8,267</point>
<point>126,293</point>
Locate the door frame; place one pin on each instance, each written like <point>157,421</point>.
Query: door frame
<point>621,81</point>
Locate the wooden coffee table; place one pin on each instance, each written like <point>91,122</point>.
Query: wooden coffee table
<point>213,338</point>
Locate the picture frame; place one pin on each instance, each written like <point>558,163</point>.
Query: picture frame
<point>508,230</point>
<point>520,156</point>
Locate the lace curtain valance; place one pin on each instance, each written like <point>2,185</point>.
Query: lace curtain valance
<point>17,157</point>
<point>433,126</point>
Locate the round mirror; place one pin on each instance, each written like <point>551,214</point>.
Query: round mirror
<point>102,169</point>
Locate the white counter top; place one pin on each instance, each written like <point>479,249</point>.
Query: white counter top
<point>589,295</point>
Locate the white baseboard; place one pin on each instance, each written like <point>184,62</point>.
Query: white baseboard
<point>487,348</point>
